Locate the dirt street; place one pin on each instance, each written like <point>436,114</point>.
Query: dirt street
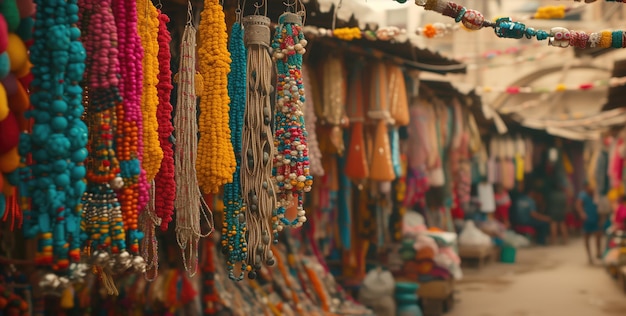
<point>545,281</point>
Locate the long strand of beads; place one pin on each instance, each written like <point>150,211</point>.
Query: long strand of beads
<point>216,159</point>
<point>148,26</point>
<point>189,203</point>
<point>234,224</point>
<point>129,141</point>
<point>165,190</point>
<point>100,98</point>
<point>291,162</point>
<point>58,139</point>
<point>258,146</point>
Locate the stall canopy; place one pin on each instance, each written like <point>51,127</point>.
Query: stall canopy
<point>324,14</point>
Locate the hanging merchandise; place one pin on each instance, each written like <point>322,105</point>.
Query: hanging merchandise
<point>334,99</point>
<point>189,203</point>
<point>15,76</point>
<point>234,227</point>
<point>216,160</point>
<point>103,220</point>
<point>381,165</point>
<point>52,177</point>
<point>257,147</point>
<point>148,26</point>
<point>291,163</point>
<point>310,117</point>
<point>357,168</point>
<point>505,27</point>
<point>164,182</point>
<point>398,110</point>
<point>148,20</point>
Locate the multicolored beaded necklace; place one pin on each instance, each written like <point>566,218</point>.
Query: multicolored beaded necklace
<point>258,145</point>
<point>234,227</point>
<point>102,221</point>
<point>54,181</point>
<point>291,162</point>
<point>133,192</point>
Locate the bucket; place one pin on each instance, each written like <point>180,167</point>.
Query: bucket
<point>508,254</point>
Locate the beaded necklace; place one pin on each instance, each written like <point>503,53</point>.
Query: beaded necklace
<point>133,192</point>
<point>148,26</point>
<point>216,160</point>
<point>102,220</point>
<point>291,162</point>
<point>55,180</point>
<point>189,203</point>
<point>165,185</point>
<point>234,224</point>
<point>258,145</point>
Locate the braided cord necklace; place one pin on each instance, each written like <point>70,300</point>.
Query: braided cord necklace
<point>189,203</point>
<point>291,162</point>
<point>133,192</point>
<point>258,146</point>
<point>55,179</point>
<point>216,159</point>
<point>234,225</point>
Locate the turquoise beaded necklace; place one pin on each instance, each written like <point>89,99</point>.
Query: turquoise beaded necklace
<point>234,227</point>
<point>54,181</point>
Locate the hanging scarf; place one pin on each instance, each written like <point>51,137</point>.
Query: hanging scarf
<point>381,166</point>
<point>356,167</point>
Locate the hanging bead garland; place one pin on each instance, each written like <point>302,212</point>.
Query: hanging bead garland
<point>234,226</point>
<point>165,190</point>
<point>257,146</point>
<point>55,180</point>
<point>216,159</point>
<point>189,203</point>
<point>291,163</point>
<point>133,192</point>
<point>102,220</point>
<point>15,72</point>
<point>507,28</point>
<point>148,26</point>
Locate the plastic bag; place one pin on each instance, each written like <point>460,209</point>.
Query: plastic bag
<point>472,236</point>
<point>515,240</point>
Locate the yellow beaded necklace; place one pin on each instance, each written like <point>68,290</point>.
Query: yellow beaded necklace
<point>148,28</point>
<point>216,160</point>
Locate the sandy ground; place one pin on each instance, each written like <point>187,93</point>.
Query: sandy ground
<point>545,281</point>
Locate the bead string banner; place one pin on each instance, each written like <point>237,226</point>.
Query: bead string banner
<point>505,27</point>
<point>611,83</point>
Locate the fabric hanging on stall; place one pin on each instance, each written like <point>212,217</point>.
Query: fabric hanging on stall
<point>486,197</point>
<point>344,206</point>
<point>529,154</point>
<point>520,154</point>
<point>399,111</point>
<point>310,117</point>
<point>418,137</point>
<point>436,174</point>
<point>509,164</point>
<point>381,166</point>
<point>334,98</point>
<point>357,167</point>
